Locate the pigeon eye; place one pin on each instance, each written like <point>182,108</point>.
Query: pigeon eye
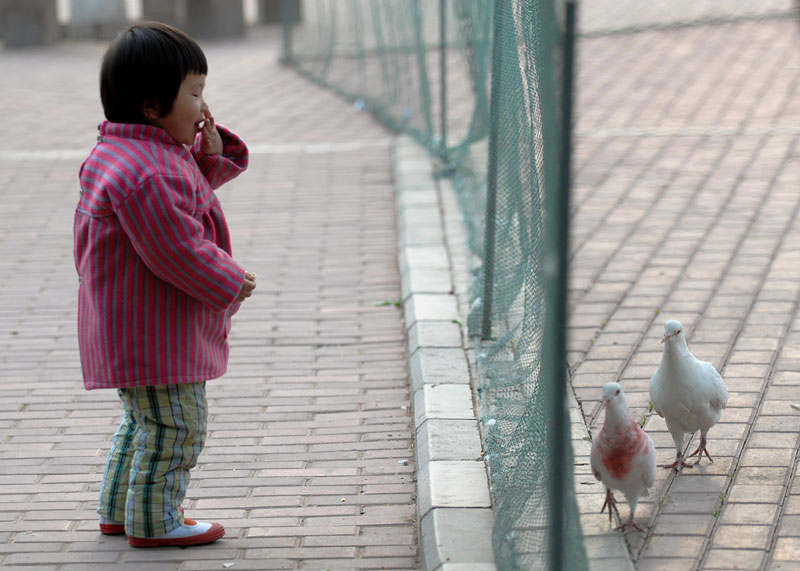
<point>616,393</point>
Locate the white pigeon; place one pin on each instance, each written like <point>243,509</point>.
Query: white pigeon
<point>623,456</point>
<point>689,394</point>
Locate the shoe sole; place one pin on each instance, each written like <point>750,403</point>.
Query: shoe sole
<point>112,528</point>
<point>213,534</point>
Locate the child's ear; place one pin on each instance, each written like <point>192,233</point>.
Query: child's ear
<point>151,110</point>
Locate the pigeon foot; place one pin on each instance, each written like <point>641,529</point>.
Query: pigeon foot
<point>678,463</point>
<point>701,449</point>
<point>629,526</point>
<point>611,503</point>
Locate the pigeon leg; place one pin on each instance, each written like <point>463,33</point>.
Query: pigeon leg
<point>678,463</point>
<point>701,448</point>
<point>629,526</point>
<point>678,438</point>
<point>611,503</point>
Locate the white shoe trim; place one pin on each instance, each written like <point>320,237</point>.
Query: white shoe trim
<point>186,530</point>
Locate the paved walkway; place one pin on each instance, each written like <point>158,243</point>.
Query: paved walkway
<point>309,462</point>
<point>686,207</point>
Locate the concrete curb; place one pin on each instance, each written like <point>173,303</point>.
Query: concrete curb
<point>454,508</point>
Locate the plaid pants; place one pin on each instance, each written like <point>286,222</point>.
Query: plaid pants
<point>161,435</point>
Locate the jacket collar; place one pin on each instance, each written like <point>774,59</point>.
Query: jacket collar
<point>136,131</point>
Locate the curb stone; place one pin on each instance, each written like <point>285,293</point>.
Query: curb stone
<point>454,507</point>
<point>454,510</point>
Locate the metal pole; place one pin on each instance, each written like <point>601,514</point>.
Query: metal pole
<point>560,425</point>
<point>424,86</point>
<point>491,177</point>
<point>286,29</point>
<point>443,72</point>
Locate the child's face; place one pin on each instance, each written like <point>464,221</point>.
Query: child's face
<point>188,110</point>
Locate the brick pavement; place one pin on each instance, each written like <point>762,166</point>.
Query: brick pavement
<point>686,207</point>
<point>309,461</point>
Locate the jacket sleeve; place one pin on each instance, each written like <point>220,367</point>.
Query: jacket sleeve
<point>157,219</point>
<point>219,169</point>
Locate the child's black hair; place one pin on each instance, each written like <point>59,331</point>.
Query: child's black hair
<point>144,67</point>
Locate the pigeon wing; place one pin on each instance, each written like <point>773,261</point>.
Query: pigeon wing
<point>718,397</point>
<point>594,456</point>
<point>649,466</point>
<point>656,386</point>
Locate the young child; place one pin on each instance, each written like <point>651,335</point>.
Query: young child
<point>158,285</point>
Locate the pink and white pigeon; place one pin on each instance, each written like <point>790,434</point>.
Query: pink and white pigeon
<point>623,456</point>
<point>689,394</point>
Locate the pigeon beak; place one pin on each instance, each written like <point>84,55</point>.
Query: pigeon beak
<point>665,337</point>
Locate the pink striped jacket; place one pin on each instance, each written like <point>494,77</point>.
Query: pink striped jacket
<point>153,253</point>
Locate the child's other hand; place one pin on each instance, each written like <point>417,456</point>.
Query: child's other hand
<point>247,287</point>
<point>211,142</point>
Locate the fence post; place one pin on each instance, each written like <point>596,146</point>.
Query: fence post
<point>172,12</point>
<point>491,176</point>
<point>28,22</point>
<point>97,19</point>
<point>443,72</point>
<point>215,18</point>
<point>559,431</point>
<point>271,11</point>
<point>286,29</point>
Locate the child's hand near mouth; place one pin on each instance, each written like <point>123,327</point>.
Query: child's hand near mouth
<point>211,143</point>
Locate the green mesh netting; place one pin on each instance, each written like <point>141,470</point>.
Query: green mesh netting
<point>520,361</point>
<point>431,68</point>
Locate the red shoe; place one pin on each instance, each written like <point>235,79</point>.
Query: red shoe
<point>116,528</point>
<point>112,528</point>
<point>215,532</point>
